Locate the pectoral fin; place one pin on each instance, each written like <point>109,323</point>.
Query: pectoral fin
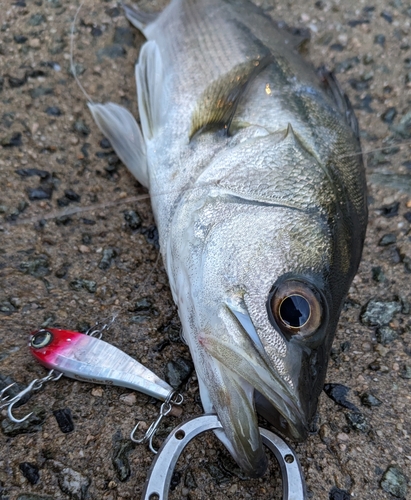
<point>217,106</point>
<point>122,130</point>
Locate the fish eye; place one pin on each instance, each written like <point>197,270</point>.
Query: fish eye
<point>295,307</point>
<point>41,339</point>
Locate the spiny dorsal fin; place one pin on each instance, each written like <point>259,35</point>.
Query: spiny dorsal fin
<point>138,17</point>
<point>218,104</point>
<point>149,76</point>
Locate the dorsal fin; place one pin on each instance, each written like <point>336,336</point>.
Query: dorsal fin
<point>138,17</point>
<point>217,105</point>
<point>149,76</point>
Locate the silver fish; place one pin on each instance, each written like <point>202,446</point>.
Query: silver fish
<point>254,168</point>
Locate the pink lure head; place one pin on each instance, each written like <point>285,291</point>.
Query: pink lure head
<point>46,344</point>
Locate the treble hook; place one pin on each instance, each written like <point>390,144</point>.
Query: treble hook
<point>165,409</point>
<point>5,398</point>
<point>35,385</point>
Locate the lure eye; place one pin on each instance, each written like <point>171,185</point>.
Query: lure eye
<point>295,307</point>
<point>41,339</point>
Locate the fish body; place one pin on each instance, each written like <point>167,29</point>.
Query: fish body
<point>254,168</point>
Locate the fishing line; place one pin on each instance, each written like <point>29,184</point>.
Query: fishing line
<point>72,66</point>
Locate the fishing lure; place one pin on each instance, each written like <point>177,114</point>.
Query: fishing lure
<point>88,358</point>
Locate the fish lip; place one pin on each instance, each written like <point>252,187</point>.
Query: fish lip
<point>283,401</point>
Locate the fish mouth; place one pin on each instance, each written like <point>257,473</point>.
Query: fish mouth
<point>280,403</point>
<point>251,382</point>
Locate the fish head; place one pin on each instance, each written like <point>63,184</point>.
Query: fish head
<point>268,275</point>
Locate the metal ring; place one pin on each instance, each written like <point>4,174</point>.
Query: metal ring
<point>159,476</point>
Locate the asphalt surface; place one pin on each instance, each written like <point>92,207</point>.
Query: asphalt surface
<point>78,246</point>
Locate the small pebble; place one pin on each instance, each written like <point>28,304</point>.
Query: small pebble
<point>81,127</point>
<point>218,474</point>
<point>178,372</point>
<point>109,254</point>
<point>385,335</point>
<point>97,392</point>
<point>80,283</point>
<point>105,143</point>
<point>390,210</point>
<point>378,274</point>
<point>128,399</point>
<point>189,480</point>
<point>379,40</point>
<point>394,481</point>
<point>30,472</point>
<point>357,421</point>
<point>72,195</point>
<point>407,216</point>
<point>112,51</point>
<point>11,141</point>
<point>35,43</point>
<point>387,239</point>
<point>374,366</point>
<point>53,111</point>
<point>64,420</point>
<point>379,313</point>
<point>405,372</point>
<point>36,20</point>
<point>36,266</point>
<point>71,482</point>
<point>143,304</point>
<point>120,461</point>
<point>40,193</point>
<point>175,480</point>
<point>387,16</point>
<point>124,36</point>
<point>338,494</point>
<point>132,219</point>
<point>389,115</point>
<point>338,393</point>
<point>20,39</point>
<point>368,399</point>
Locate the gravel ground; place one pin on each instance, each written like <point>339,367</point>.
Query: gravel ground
<point>78,245</point>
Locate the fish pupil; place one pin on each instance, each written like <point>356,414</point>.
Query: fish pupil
<point>295,311</point>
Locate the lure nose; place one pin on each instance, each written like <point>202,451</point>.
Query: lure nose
<point>41,339</point>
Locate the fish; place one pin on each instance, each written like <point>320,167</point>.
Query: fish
<point>253,162</point>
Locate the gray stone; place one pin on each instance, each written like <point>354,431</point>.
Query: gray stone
<point>112,51</point>
<point>357,422</point>
<point>385,335</point>
<point>379,313</point>
<point>178,372</point>
<point>368,399</point>
<point>394,481</point>
<point>36,20</point>
<point>71,482</point>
